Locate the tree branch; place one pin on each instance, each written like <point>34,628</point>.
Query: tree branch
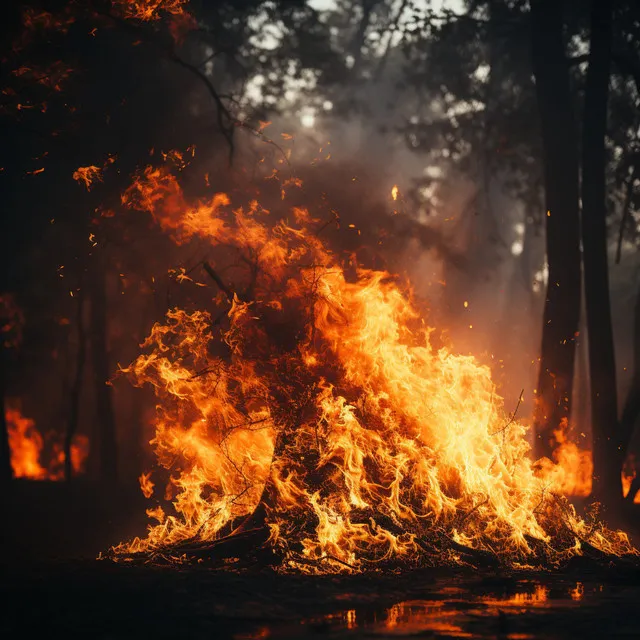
<point>218,280</point>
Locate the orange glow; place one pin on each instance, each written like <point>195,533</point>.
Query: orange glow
<point>25,443</point>
<point>537,598</point>
<point>627,477</point>
<point>419,617</point>
<point>53,76</point>
<point>180,21</point>
<point>319,404</point>
<point>577,593</point>
<point>572,468</point>
<point>394,192</point>
<point>27,447</point>
<point>146,485</point>
<point>151,10</point>
<point>88,175</point>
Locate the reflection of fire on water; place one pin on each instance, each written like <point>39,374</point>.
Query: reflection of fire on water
<point>453,612</point>
<point>315,406</point>
<point>37,458</point>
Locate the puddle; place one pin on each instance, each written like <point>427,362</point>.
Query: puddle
<point>525,611</point>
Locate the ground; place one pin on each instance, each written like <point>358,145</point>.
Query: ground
<point>75,596</point>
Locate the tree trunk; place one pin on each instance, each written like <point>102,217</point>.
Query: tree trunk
<point>607,460</point>
<point>561,178</point>
<point>76,389</point>
<point>108,450</point>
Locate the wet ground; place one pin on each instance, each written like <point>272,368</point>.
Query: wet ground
<point>103,600</point>
<point>68,597</point>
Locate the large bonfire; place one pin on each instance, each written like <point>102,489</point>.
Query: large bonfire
<point>308,412</point>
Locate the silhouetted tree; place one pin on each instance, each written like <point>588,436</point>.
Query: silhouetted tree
<point>607,449</point>
<point>561,180</point>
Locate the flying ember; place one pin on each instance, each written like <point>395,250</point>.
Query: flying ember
<point>312,407</point>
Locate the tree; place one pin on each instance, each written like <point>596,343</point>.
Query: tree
<point>561,179</point>
<point>102,372</point>
<point>607,449</point>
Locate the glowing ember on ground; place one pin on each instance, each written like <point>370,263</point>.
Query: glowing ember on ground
<point>317,408</point>
<point>31,459</point>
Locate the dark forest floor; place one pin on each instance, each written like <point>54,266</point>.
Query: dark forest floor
<point>52,587</point>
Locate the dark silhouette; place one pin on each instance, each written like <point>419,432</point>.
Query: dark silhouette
<point>560,158</point>
<point>608,450</point>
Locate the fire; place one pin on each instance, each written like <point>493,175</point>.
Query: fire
<point>572,468</point>
<point>179,20</point>
<point>151,10</point>
<point>27,447</point>
<point>628,476</point>
<point>317,407</point>
<point>394,192</point>
<point>52,76</point>
<point>25,443</point>
<point>146,485</point>
<point>88,175</point>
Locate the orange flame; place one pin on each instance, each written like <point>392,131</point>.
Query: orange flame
<point>628,475</point>
<point>572,469</point>
<point>320,407</point>
<point>179,19</point>
<point>146,484</point>
<point>394,192</point>
<point>88,175</point>
<point>53,76</point>
<point>27,445</point>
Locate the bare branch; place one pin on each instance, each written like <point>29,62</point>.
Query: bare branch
<point>218,280</point>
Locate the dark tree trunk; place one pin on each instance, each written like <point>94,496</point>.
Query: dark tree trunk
<point>561,181</point>
<point>108,450</point>
<point>582,386</point>
<point>76,388</point>
<point>607,460</point>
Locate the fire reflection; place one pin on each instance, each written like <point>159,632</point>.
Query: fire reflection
<point>419,616</point>
<point>455,612</point>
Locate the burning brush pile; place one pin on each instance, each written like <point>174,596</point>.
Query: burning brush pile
<point>306,417</point>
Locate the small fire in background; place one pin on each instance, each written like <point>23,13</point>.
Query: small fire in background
<point>629,473</point>
<point>38,457</point>
<point>572,467</point>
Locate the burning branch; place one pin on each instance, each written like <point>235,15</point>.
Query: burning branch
<point>216,278</point>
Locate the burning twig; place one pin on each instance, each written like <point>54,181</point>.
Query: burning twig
<point>512,417</point>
